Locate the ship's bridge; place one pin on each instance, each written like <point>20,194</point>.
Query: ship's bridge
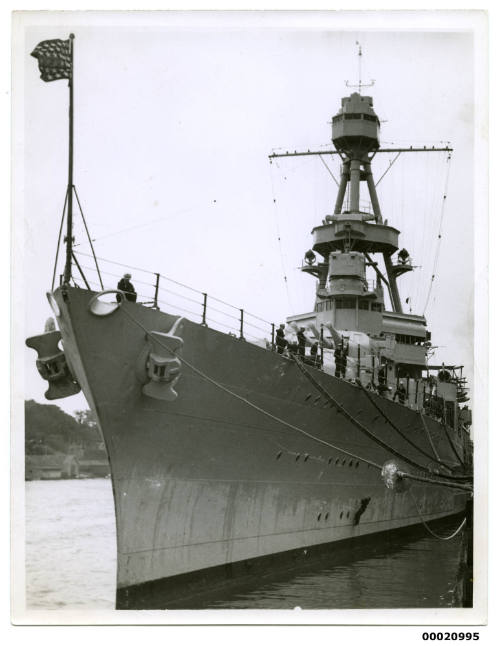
<point>364,236</point>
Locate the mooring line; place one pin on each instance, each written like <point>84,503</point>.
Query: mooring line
<point>451,443</point>
<point>391,423</point>
<point>441,538</point>
<point>361,427</point>
<point>424,425</point>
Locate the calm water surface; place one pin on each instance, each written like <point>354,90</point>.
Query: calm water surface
<point>71,562</point>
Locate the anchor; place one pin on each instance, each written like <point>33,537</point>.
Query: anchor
<point>52,364</point>
<point>163,368</point>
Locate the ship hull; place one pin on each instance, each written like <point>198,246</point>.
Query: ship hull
<point>238,473</point>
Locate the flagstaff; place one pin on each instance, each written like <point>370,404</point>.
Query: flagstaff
<point>69,222</point>
<point>55,62</point>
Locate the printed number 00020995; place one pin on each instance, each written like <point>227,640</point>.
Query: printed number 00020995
<point>455,636</point>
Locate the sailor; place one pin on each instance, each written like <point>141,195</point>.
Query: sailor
<point>403,257</point>
<point>382,380</point>
<point>281,342</point>
<point>343,361</point>
<point>315,357</point>
<point>126,286</point>
<point>301,339</point>
<point>400,393</point>
<point>338,359</point>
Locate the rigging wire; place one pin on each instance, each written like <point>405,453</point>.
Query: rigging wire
<point>419,248</point>
<point>176,282</point>
<point>59,239</point>
<point>328,169</point>
<point>440,232</point>
<point>276,219</point>
<point>435,180</point>
<point>391,163</point>
<point>146,224</point>
<point>88,236</point>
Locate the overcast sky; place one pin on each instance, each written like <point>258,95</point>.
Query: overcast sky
<point>174,119</point>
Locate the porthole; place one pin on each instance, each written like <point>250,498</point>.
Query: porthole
<point>330,460</point>
<point>347,515</point>
<point>297,457</point>
<point>327,515</point>
<point>319,516</point>
<point>337,461</point>
<point>357,465</point>
<point>343,462</point>
<point>279,454</point>
<point>306,457</point>
<point>350,463</point>
<point>341,514</point>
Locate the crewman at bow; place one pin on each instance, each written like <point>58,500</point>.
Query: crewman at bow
<point>126,286</point>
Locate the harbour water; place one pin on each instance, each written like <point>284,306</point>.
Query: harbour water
<point>71,563</point>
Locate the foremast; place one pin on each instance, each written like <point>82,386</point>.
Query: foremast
<point>354,226</point>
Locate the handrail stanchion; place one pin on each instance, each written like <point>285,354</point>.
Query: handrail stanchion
<point>321,336</point>
<point>242,338</point>
<point>272,337</point>
<point>204,315</point>
<point>157,285</point>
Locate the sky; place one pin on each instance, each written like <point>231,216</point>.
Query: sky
<point>175,117</point>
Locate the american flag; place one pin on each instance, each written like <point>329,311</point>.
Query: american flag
<point>54,59</point>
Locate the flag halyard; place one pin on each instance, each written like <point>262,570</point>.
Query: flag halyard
<point>54,59</point>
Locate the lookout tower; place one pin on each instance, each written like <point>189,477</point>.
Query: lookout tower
<point>356,127</point>
<point>356,137</point>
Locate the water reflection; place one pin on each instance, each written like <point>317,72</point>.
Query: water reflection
<point>71,562</point>
<point>414,572</point>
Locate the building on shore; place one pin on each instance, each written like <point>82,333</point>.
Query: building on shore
<point>51,467</point>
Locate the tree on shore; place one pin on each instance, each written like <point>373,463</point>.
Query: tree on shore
<point>49,429</point>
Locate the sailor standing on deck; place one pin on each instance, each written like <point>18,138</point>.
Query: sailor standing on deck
<point>301,339</point>
<point>126,286</point>
<point>281,342</point>
<point>315,357</point>
<point>343,360</point>
<point>338,359</point>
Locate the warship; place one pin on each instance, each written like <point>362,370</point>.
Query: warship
<point>232,456</point>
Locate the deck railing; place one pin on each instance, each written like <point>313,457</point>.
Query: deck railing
<point>163,293</point>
